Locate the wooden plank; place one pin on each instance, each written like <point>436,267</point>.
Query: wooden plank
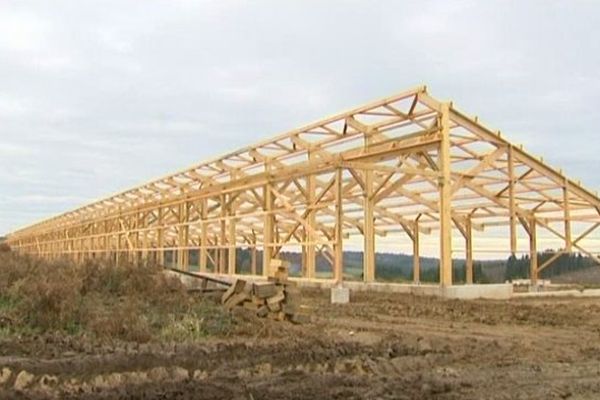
<point>235,299</point>
<point>264,290</point>
<point>263,311</point>
<point>236,288</point>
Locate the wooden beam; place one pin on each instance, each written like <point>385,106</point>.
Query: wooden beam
<point>445,199</point>
<point>203,236</point>
<point>267,230</point>
<point>338,264</point>
<point>533,255</point>
<point>368,229</point>
<point>511,202</point>
<point>416,254</point>
<point>232,253</point>
<point>469,252</point>
<point>223,235</point>
<point>311,216</point>
<point>567,216</point>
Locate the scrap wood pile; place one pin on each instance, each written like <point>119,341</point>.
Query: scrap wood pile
<point>278,298</point>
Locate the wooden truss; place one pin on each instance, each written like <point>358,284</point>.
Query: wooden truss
<point>407,163</point>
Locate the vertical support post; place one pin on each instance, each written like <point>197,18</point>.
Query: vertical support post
<point>160,238</point>
<point>216,253</point>
<point>310,254</point>
<point>144,233</point>
<point>338,260</point>
<point>253,257</point>
<point>231,258</point>
<point>135,240</point>
<point>303,259</point>
<point>204,236</point>
<point>567,217</point>
<point>445,194</point>
<point>223,235</point>
<point>533,256</point>
<point>368,230</point>
<point>118,253</point>
<point>183,252</point>
<point>416,255</point>
<point>468,251</point>
<point>267,230</point>
<point>511,201</point>
<point>73,252</point>
<point>186,237</point>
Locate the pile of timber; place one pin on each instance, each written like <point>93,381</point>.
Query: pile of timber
<point>278,298</point>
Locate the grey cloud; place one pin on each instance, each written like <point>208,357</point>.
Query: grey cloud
<point>100,95</point>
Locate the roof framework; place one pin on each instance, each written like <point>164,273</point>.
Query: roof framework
<point>407,163</point>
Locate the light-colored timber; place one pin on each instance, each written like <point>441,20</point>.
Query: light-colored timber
<point>405,163</point>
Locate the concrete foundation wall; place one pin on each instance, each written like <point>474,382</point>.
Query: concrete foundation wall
<point>486,291</point>
<point>500,291</point>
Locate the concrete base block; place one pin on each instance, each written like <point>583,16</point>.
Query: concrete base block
<point>340,295</point>
<point>500,291</point>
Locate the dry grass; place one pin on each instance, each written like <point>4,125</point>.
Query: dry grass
<point>127,302</point>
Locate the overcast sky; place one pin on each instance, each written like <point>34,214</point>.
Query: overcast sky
<point>98,96</point>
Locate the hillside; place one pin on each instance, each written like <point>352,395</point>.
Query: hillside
<point>588,276</point>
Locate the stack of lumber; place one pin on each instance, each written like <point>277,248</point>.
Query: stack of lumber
<point>278,298</point>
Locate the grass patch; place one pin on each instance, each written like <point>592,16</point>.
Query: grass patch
<point>127,302</point>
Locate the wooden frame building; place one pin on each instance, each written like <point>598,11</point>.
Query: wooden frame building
<point>407,163</point>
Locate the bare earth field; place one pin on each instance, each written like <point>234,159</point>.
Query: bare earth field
<point>378,347</point>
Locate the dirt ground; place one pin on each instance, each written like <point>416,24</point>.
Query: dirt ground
<point>381,346</point>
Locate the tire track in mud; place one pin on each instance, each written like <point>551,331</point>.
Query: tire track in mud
<point>332,368</point>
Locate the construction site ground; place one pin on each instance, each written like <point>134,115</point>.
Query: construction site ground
<point>380,346</point>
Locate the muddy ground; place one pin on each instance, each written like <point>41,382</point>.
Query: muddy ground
<point>381,346</point>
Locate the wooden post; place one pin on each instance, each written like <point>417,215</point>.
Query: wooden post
<point>469,251</point>
<point>232,258</point>
<point>144,233</point>
<point>416,255</point>
<point>182,242</point>
<point>186,237</point>
<point>253,256</point>
<point>216,254</point>
<point>338,260</point>
<point>368,230</point>
<point>268,230</point>
<point>223,236</point>
<point>118,252</point>
<point>533,256</point>
<point>567,217</point>
<point>310,254</point>
<point>135,241</point>
<point>203,236</point>
<point>160,238</point>
<point>303,258</point>
<point>511,201</point>
<point>445,200</point>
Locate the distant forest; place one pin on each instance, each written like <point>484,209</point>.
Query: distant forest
<point>394,267</point>
<point>517,268</point>
<point>398,267</point>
